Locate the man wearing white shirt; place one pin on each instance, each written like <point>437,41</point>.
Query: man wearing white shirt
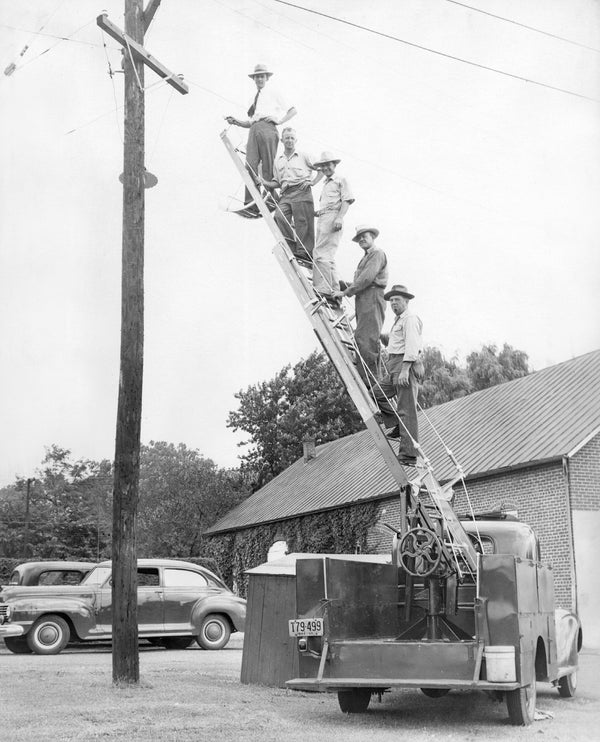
<point>267,110</point>
<point>404,372</point>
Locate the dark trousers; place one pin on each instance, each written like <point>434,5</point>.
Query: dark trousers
<point>296,214</point>
<point>406,402</point>
<point>370,312</point>
<point>260,152</point>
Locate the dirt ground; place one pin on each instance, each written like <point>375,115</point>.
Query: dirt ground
<point>196,695</point>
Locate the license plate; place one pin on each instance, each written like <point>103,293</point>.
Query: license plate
<point>306,626</point>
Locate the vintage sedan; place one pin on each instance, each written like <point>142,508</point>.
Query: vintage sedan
<point>50,573</point>
<point>177,603</point>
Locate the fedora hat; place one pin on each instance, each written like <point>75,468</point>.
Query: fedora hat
<point>327,157</point>
<point>260,69</point>
<point>398,290</point>
<point>365,228</point>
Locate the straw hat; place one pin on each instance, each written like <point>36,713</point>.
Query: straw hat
<point>365,228</point>
<point>260,69</point>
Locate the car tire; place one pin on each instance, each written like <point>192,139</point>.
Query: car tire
<point>177,642</point>
<point>214,631</point>
<point>354,701</point>
<point>567,685</point>
<point>49,635</point>
<point>17,644</point>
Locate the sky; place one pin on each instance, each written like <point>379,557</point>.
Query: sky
<point>485,189</point>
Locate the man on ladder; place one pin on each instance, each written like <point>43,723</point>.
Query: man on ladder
<point>404,372</point>
<point>368,286</point>
<point>267,111</point>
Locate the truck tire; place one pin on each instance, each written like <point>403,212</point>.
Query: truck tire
<point>214,632</point>
<point>49,635</point>
<point>521,703</point>
<point>567,685</point>
<point>435,692</point>
<point>355,701</point>
<point>17,644</point>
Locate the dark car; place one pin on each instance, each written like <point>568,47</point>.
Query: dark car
<point>177,603</point>
<point>50,573</point>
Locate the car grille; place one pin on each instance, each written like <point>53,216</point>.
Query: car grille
<point>3,609</point>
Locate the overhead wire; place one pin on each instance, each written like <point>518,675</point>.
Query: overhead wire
<point>437,52</point>
<point>50,48</point>
<point>524,25</point>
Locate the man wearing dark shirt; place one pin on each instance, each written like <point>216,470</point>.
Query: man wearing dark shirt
<point>367,287</point>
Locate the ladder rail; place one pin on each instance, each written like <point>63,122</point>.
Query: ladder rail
<point>328,332</point>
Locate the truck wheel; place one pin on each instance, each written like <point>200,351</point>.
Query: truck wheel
<point>214,632</point>
<point>355,701</point>
<point>17,644</point>
<point>567,685</point>
<point>435,692</point>
<point>49,635</point>
<point>521,703</point>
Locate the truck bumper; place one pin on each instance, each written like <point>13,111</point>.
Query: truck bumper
<point>333,685</point>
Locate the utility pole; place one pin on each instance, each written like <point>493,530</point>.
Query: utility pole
<point>26,535</point>
<point>125,653</point>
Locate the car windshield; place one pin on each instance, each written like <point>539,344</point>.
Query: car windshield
<point>97,576</point>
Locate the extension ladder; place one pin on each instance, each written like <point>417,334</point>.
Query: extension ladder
<point>332,327</point>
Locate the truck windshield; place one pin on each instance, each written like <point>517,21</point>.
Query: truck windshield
<point>97,576</point>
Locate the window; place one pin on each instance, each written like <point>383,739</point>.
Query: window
<point>97,576</point>
<point>148,577</point>
<point>59,577</point>
<point>184,578</point>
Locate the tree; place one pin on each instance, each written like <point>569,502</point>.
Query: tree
<point>181,495</point>
<point>306,401</point>
<point>487,367</point>
<point>69,509</point>
<point>444,379</point>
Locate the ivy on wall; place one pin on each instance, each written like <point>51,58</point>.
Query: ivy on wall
<point>341,531</point>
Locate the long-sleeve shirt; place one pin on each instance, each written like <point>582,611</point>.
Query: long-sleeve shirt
<point>334,191</point>
<point>370,271</point>
<point>291,171</point>
<point>406,336</point>
<point>269,103</point>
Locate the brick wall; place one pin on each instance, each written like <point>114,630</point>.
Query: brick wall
<point>539,494</point>
<point>584,476</point>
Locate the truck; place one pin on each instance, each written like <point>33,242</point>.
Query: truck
<point>363,629</point>
<point>463,602</point>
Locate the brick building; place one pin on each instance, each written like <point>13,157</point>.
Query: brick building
<point>532,443</point>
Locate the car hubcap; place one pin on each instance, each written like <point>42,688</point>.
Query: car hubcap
<point>213,631</point>
<point>48,635</point>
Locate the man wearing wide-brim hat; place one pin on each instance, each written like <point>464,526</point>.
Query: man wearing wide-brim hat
<point>404,372</point>
<point>336,197</point>
<point>267,110</point>
<point>367,288</point>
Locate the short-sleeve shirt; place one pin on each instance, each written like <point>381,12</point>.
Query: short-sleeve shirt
<point>406,336</point>
<point>270,103</point>
<point>291,171</point>
<point>335,191</point>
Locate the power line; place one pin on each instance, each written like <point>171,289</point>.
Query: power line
<point>51,35</point>
<point>438,53</point>
<point>524,25</point>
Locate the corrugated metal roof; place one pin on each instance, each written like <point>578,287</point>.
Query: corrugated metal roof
<point>542,416</point>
